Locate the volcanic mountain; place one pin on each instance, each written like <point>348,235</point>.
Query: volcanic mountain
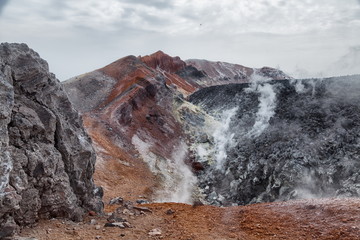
<point>134,110</point>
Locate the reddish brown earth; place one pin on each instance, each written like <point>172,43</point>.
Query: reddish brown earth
<point>135,95</point>
<point>169,66</point>
<point>117,170</point>
<point>304,219</point>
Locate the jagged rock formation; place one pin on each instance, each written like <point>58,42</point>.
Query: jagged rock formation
<point>281,140</point>
<point>46,157</point>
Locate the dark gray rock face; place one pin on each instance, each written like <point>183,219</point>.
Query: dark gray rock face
<point>283,140</point>
<point>46,157</point>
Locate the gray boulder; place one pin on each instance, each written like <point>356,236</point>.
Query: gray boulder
<point>46,157</point>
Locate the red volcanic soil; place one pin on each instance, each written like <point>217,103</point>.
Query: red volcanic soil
<point>169,66</point>
<point>305,219</point>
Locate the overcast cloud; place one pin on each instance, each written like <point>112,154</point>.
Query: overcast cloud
<point>2,4</point>
<point>304,38</point>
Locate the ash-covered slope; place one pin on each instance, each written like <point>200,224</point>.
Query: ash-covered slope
<point>220,73</point>
<point>46,157</point>
<point>281,140</point>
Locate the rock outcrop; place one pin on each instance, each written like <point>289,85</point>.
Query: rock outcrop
<point>46,157</point>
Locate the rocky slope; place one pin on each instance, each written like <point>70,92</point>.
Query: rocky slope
<point>46,157</point>
<point>281,140</point>
<point>220,73</point>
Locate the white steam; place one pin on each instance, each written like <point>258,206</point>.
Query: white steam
<point>299,86</point>
<point>257,78</point>
<point>143,148</point>
<point>202,152</point>
<point>267,104</point>
<point>178,181</point>
<point>223,137</point>
<point>303,191</point>
<point>182,180</point>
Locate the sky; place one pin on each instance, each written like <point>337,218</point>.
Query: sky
<point>307,38</point>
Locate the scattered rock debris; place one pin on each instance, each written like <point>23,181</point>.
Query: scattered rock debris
<point>170,211</point>
<point>142,201</point>
<point>117,200</point>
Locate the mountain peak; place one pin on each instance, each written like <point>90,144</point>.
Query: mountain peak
<point>163,61</point>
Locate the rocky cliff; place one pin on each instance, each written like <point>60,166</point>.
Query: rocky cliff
<point>46,157</point>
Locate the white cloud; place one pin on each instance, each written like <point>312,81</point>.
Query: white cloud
<point>308,34</point>
<point>3,4</point>
<point>182,16</point>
